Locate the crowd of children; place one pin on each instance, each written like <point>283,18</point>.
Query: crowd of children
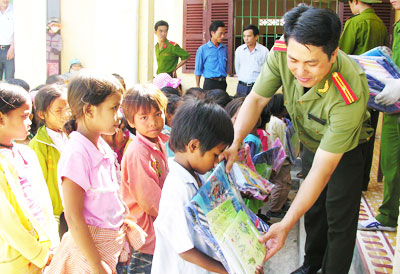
<point>101,180</point>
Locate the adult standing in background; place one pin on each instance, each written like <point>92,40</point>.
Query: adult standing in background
<point>168,52</point>
<point>390,147</point>
<point>212,59</point>
<point>249,59</point>
<point>362,32</point>
<point>6,40</point>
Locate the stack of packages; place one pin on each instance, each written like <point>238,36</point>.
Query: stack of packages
<point>377,64</point>
<point>218,213</point>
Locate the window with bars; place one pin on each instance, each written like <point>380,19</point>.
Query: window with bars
<point>267,15</point>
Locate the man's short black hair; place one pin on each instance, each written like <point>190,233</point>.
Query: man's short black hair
<point>202,120</point>
<point>313,26</point>
<point>161,23</point>
<point>253,28</point>
<point>215,25</point>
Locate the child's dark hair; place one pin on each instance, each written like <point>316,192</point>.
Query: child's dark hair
<point>19,82</point>
<point>120,79</point>
<point>219,96</point>
<point>233,106</point>
<point>45,96</point>
<point>276,105</point>
<point>170,90</point>
<point>202,120</point>
<point>55,79</point>
<point>89,88</point>
<point>12,97</point>
<point>143,96</point>
<point>195,92</point>
<point>173,101</point>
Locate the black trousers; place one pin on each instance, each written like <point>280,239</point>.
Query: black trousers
<point>331,223</point>
<point>210,84</point>
<point>243,91</point>
<point>369,151</point>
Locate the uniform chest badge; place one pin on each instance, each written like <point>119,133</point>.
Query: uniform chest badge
<point>164,46</point>
<point>324,89</point>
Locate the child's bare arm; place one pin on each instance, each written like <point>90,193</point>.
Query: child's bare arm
<point>74,196</point>
<point>199,258</point>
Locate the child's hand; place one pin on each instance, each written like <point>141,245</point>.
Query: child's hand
<point>260,269</point>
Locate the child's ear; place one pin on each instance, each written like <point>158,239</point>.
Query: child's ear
<point>40,114</point>
<point>193,145</point>
<point>2,117</point>
<point>131,124</point>
<point>88,110</point>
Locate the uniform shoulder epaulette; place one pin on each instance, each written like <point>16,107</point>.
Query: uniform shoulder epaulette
<point>173,43</point>
<point>279,46</point>
<point>344,88</point>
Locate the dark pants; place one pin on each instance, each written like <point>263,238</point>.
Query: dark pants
<point>369,151</point>
<point>331,223</point>
<point>140,263</point>
<point>242,90</point>
<point>210,84</point>
<point>6,66</point>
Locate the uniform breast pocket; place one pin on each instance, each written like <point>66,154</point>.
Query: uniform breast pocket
<point>316,126</point>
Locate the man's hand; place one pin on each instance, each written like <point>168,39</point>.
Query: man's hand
<point>10,53</point>
<point>230,155</point>
<point>390,94</point>
<point>274,239</point>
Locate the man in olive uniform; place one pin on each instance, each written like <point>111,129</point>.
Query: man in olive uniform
<point>390,149</point>
<point>362,32</point>
<point>326,95</point>
<point>168,52</point>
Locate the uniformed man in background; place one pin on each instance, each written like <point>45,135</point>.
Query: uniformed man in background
<point>168,52</point>
<point>362,32</point>
<point>326,94</point>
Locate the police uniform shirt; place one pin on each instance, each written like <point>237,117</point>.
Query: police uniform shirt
<point>363,32</point>
<point>326,117</point>
<point>168,56</point>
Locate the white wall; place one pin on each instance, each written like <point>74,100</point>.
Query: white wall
<point>102,34</point>
<point>30,41</point>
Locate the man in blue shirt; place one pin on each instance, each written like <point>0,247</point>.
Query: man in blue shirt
<point>249,58</point>
<point>212,59</point>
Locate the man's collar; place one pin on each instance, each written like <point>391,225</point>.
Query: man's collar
<point>257,46</point>
<point>210,44</point>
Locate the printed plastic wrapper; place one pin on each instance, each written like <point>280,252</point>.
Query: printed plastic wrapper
<point>377,64</point>
<point>216,204</point>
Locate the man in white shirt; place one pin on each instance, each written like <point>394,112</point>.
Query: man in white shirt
<point>249,58</point>
<point>6,40</point>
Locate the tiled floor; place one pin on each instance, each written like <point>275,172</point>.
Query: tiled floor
<point>376,248</point>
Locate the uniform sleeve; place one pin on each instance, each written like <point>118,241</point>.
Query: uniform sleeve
<point>142,181</point>
<point>199,65</point>
<point>347,40</point>
<point>172,222</point>
<point>346,122</point>
<point>269,80</point>
<point>16,235</point>
<point>183,54</point>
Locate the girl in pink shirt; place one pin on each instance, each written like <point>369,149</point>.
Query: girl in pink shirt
<point>144,166</point>
<point>87,175</point>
